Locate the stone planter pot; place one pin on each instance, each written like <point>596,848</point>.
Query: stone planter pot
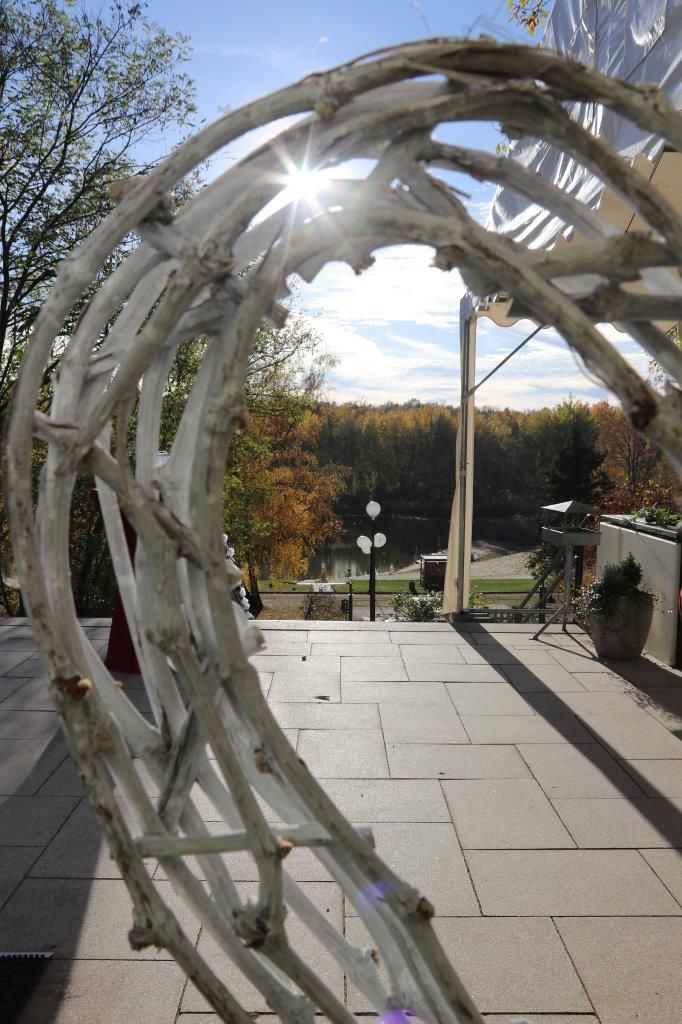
<point>622,633</point>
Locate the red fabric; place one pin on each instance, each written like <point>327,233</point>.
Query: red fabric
<point>121,655</point>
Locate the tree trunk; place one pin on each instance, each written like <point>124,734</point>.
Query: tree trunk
<point>255,600</point>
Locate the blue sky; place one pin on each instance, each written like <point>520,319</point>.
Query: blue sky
<point>394,329</point>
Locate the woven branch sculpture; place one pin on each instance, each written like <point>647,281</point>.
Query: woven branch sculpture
<point>215,270</point>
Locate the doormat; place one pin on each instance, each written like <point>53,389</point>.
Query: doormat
<point>19,975</point>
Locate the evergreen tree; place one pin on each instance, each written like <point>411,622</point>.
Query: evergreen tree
<point>576,471</point>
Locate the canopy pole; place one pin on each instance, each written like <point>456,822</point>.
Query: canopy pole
<point>458,566</point>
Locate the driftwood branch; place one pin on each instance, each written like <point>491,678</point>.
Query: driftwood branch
<point>217,269</point>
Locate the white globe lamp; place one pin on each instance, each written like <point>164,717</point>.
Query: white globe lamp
<point>373,509</point>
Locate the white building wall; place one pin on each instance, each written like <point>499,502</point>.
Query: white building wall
<point>660,561</point>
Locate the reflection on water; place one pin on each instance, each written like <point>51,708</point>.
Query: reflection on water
<point>406,539</point>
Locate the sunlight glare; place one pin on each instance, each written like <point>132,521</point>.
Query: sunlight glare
<point>304,184</point>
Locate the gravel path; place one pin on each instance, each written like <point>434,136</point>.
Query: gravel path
<point>508,567</point>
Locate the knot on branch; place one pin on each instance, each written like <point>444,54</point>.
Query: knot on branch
<point>262,761</point>
<point>142,937</point>
<point>644,410</point>
<point>251,926</point>
<point>75,687</point>
<point>284,848</point>
<point>101,741</point>
<point>425,909</point>
<point>448,257</point>
<point>332,98</point>
<point>162,213</point>
<point>241,419</point>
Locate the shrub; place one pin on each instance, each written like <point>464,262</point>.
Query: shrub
<point>656,516</point>
<point>418,607</point>
<point>621,580</point>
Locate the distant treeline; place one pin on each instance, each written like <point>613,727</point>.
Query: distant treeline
<point>404,455</point>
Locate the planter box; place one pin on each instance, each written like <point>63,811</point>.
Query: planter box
<point>659,552</point>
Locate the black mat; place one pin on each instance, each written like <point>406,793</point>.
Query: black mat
<point>19,975</point>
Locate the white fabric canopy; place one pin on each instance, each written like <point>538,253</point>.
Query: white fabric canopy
<point>636,40</point>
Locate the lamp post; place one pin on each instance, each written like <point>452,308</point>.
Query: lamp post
<point>368,546</point>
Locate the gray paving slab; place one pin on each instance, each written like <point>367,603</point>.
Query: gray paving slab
<point>67,914</point>
<point>289,686</point>
<point>10,685</point>
<point>16,862</point>
<point>487,699</point>
<point>347,636</point>
<point>445,654</point>
<point>455,761</point>
<point>65,781</point>
<point>33,820</point>
<point>658,777</point>
<point>525,729</point>
<point>361,669</point>
<point>579,661</point>
<point>28,725</point>
<point>327,898</point>
<point>24,767</point>
<point>18,643</point>
<point>507,656</point>
<point>586,770</point>
<point>665,705</point>
<point>344,753</point>
<point>296,648</point>
<point>507,966</point>
<point>32,695</point>
<point>370,800</point>
<point>567,882</point>
<point>622,823</point>
<point>503,814</point>
<point>668,866</point>
<point>607,681</point>
<point>325,715</point>
<point>633,735</point>
<point>441,876</point>
<point>78,850</point>
<point>427,723</point>
<point>438,671</point>
<point>104,992</point>
<point>283,631</point>
<point>429,637</point>
<point>349,650</point>
<point>534,1018</point>
<point>628,966</point>
<point>361,691</point>
<point>289,664</point>
<point>28,668</point>
<point>583,703</point>
<point>541,678</point>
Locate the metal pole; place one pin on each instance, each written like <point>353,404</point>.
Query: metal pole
<point>372,578</point>
<point>350,600</point>
<point>567,584</point>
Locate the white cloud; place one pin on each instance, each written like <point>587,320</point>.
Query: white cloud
<point>401,287</point>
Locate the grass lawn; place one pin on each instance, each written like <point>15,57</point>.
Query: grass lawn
<point>389,586</point>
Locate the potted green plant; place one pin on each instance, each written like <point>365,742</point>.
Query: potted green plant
<point>618,610</point>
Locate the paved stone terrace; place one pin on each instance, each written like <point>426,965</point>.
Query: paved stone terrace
<point>532,792</point>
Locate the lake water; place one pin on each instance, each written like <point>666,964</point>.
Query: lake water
<point>406,538</point>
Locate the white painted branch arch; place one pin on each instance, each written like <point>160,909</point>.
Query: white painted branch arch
<point>191,641</point>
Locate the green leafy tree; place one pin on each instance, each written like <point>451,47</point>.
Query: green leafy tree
<point>85,99</point>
